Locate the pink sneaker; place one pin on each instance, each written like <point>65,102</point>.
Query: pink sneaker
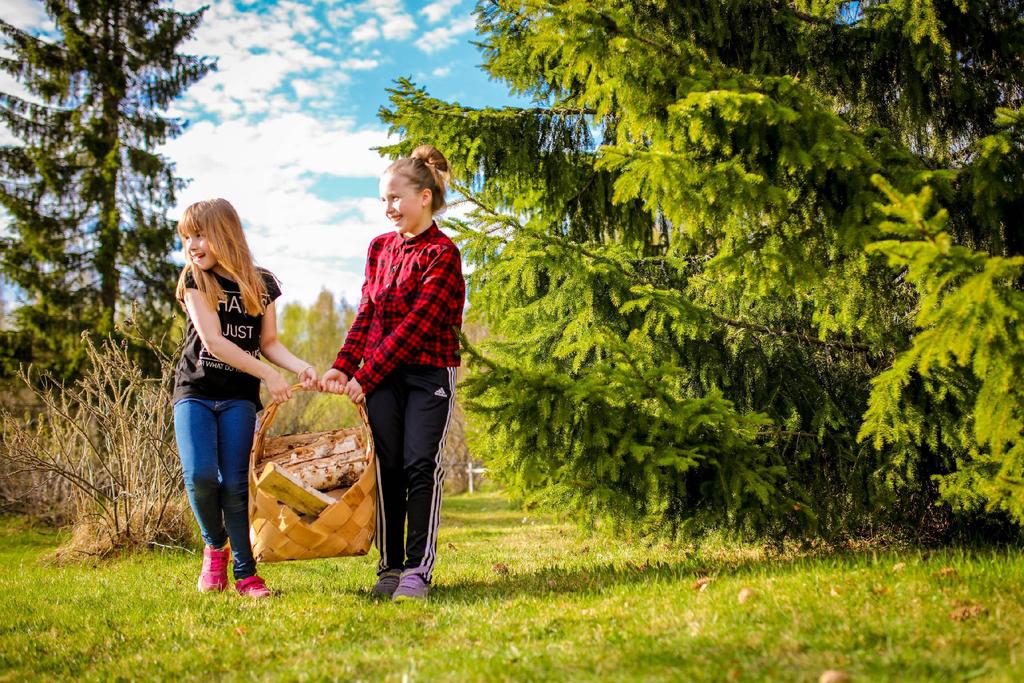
<point>214,576</point>
<point>252,586</point>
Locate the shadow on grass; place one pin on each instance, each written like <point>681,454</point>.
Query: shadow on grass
<point>683,574</point>
<point>477,518</point>
<point>22,534</point>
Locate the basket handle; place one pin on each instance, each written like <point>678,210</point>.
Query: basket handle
<point>271,412</point>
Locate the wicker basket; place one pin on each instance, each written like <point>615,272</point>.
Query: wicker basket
<point>344,528</point>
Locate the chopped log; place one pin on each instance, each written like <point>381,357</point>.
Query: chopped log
<point>295,448</point>
<point>291,491</point>
<point>331,472</point>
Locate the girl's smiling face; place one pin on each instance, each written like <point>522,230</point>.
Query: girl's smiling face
<point>406,207</point>
<point>199,252</point>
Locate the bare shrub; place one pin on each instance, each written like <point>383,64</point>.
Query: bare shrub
<point>105,448</point>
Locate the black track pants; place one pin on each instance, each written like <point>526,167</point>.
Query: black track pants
<point>409,415</point>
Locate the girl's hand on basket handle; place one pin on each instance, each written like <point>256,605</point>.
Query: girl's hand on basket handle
<point>308,378</point>
<point>334,381</point>
<point>354,391</point>
<point>279,388</point>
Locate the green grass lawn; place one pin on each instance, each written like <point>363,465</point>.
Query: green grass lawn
<point>522,597</point>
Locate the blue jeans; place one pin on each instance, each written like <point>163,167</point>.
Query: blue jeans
<point>214,440</point>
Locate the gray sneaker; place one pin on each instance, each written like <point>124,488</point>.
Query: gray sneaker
<point>411,587</point>
<point>386,583</point>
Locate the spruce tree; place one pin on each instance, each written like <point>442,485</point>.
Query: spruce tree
<point>87,194</point>
<point>707,261</point>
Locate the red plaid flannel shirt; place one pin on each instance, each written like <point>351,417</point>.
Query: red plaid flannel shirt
<point>410,308</point>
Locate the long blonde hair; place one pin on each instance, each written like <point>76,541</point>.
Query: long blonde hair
<point>225,241</point>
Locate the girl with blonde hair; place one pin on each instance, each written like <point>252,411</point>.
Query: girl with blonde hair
<point>231,322</point>
<point>400,356</point>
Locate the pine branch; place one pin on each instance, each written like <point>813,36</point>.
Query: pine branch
<point>787,432</point>
<point>473,199</point>
<point>777,332</point>
<point>595,256</point>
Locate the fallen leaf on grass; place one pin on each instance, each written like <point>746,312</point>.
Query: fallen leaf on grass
<point>746,594</point>
<point>701,583</point>
<point>552,583</point>
<point>451,546</point>
<point>965,611</point>
<point>879,589</point>
<point>240,630</point>
<point>500,568</point>
<point>834,592</point>
<point>945,572</point>
<point>833,676</point>
<point>899,566</point>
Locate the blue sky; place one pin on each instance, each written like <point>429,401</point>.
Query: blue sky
<point>284,128</point>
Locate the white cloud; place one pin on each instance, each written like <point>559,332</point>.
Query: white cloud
<point>298,16</point>
<point>341,15</point>
<point>366,32</point>
<point>441,38</point>
<point>7,138</point>
<point>304,89</point>
<point>441,71</point>
<point>359,64</point>
<point>436,11</point>
<point>396,24</point>
<point>28,15</point>
<point>257,53</point>
<point>12,86</point>
<point>398,27</point>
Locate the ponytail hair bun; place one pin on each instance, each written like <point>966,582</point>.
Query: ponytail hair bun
<point>427,169</point>
<point>432,157</point>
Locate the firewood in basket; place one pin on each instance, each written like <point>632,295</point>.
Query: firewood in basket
<point>331,472</point>
<point>322,460</point>
<point>291,491</point>
<point>288,442</point>
<point>289,450</point>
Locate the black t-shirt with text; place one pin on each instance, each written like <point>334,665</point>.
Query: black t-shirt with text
<point>199,373</point>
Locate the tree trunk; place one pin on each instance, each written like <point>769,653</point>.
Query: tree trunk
<point>109,158</point>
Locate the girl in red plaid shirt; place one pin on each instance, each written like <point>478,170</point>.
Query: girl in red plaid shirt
<point>400,356</point>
